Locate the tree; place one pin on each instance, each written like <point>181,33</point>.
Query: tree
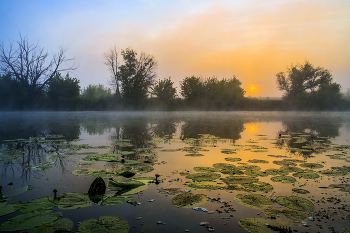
<point>111,61</point>
<point>307,87</point>
<point>164,90</point>
<point>137,76</point>
<point>192,88</point>
<point>63,92</point>
<point>302,78</point>
<point>31,65</point>
<point>96,96</point>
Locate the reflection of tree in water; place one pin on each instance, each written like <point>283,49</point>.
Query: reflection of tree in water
<point>166,127</point>
<point>307,136</point>
<point>222,128</point>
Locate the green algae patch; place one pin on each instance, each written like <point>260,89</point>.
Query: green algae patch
<point>311,165</point>
<point>257,161</point>
<point>283,179</point>
<point>231,159</point>
<point>38,205</point>
<point>255,201</point>
<point>239,180</point>
<point>204,176</point>
<point>110,224</point>
<point>258,186</point>
<point>260,225</point>
<point>186,200</point>
<point>296,203</point>
<point>74,201</point>
<point>301,191</point>
<point>336,171</point>
<point>292,215</point>
<point>306,174</point>
<point>205,169</point>
<point>9,208</point>
<point>61,225</point>
<point>114,200</point>
<point>28,220</point>
<point>206,185</point>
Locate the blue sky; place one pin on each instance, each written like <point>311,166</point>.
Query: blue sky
<point>252,39</point>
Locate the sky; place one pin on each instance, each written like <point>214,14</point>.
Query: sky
<point>252,40</point>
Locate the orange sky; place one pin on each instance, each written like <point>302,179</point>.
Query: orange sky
<point>251,39</point>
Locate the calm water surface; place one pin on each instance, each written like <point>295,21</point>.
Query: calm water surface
<point>172,144</point>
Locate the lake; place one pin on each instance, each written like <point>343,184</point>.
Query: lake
<point>175,171</point>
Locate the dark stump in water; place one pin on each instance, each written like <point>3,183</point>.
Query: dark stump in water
<point>97,189</point>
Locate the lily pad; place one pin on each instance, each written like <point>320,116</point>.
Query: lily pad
<point>206,185</point>
<point>205,169</point>
<point>341,187</point>
<point>257,161</point>
<point>283,179</point>
<point>9,208</point>
<point>260,225</point>
<point>231,159</point>
<point>274,171</point>
<point>306,175</point>
<point>38,205</point>
<point>61,225</point>
<point>258,186</point>
<point>336,171</point>
<point>115,200</point>
<point>228,151</point>
<point>255,201</point>
<point>311,165</point>
<point>204,176</point>
<point>123,186</point>
<point>29,220</point>
<point>74,201</point>
<point>110,224</point>
<point>239,179</point>
<point>186,200</point>
<point>296,203</point>
<point>301,191</point>
<point>293,215</point>
<point>194,155</point>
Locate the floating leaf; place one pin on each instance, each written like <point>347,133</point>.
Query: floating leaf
<point>301,191</point>
<point>260,225</point>
<point>296,203</point>
<point>283,179</point>
<point>61,225</point>
<point>38,205</point>
<point>110,224</point>
<point>187,200</point>
<point>258,186</point>
<point>307,174</point>
<point>205,169</point>
<point>293,215</point>
<point>206,185</point>
<point>311,165</point>
<point>204,176</point>
<point>256,201</point>
<point>28,220</point>
<point>9,208</point>
<point>257,161</point>
<point>74,201</point>
<point>239,179</point>
<point>231,159</point>
<point>114,200</point>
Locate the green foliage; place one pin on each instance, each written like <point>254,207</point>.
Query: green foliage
<point>256,201</point>
<point>296,203</point>
<point>109,224</point>
<point>164,90</point>
<point>96,97</point>
<point>187,200</point>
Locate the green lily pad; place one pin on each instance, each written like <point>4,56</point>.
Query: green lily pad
<point>239,180</point>
<point>61,225</point>
<point>274,171</point>
<point>146,154</point>
<point>285,162</point>
<point>194,155</point>
<point>102,157</point>
<point>336,171</point>
<point>228,151</point>
<point>204,176</point>
<point>311,165</point>
<point>206,185</point>
<point>258,186</point>
<point>29,220</point>
<point>38,205</point>
<point>231,159</point>
<point>260,225</point>
<point>293,215</point>
<point>283,179</point>
<point>74,201</point>
<point>205,169</point>
<point>306,175</point>
<point>257,161</point>
<point>123,186</point>
<point>296,203</point>
<point>82,164</point>
<point>95,172</point>
<point>301,191</point>
<point>341,187</point>
<point>110,224</point>
<point>115,200</point>
<point>290,169</point>
<point>9,208</point>
<point>345,230</point>
<point>186,200</point>
<point>255,201</point>
<point>223,165</point>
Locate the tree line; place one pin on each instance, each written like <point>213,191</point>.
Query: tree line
<point>31,79</point>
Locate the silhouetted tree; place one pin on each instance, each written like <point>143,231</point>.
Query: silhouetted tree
<point>192,89</point>
<point>64,92</point>
<point>309,87</point>
<point>111,61</point>
<point>31,65</point>
<point>137,76</point>
<point>164,90</point>
<point>96,96</point>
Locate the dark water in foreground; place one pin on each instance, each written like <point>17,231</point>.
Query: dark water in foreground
<point>43,149</point>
